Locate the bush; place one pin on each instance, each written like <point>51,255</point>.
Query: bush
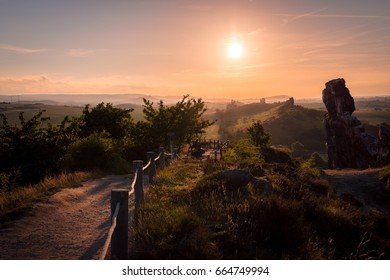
<point>4,181</point>
<point>243,150</point>
<point>313,165</point>
<point>95,152</point>
<point>384,176</point>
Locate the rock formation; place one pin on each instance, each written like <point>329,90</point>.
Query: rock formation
<point>384,144</point>
<point>349,146</point>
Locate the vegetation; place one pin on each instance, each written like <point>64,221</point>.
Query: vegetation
<point>190,211</point>
<point>102,138</point>
<point>197,216</point>
<point>258,136</point>
<point>385,176</point>
<point>13,201</point>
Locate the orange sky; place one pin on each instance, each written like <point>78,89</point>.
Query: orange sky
<point>180,46</point>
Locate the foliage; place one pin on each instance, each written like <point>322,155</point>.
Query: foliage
<point>33,149</point>
<point>97,151</point>
<point>313,165</point>
<point>105,118</point>
<point>384,176</point>
<point>198,217</point>
<point>243,150</point>
<point>298,150</point>
<point>258,136</point>
<point>181,122</point>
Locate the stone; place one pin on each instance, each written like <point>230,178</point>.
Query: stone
<point>384,144</point>
<point>348,145</point>
<point>235,178</point>
<point>263,184</point>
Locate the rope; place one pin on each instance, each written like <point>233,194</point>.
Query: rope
<point>131,191</point>
<point>157,158</point>
<point>168,154</point>
<point>146,166</point>
<point>110,232</point>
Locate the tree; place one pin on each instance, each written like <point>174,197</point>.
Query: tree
<point>298,150</point>
<point>258,135</point>
<point>104,117</point>
<point>34,148</point>
<point>182,122</point>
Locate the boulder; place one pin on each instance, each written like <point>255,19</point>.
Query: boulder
<point>263,184</point>
<point>235,178</point>
<point>348,145</point>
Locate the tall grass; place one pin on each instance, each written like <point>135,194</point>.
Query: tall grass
<point>18,199</point>
<point>198,217</point>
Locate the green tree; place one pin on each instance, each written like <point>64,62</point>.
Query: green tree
<point>34,148</point>
<point>104,117</point>
<point>182,122</point>
<point>298,150</point>
<point>258,136</point>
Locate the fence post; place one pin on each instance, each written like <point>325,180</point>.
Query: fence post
<point>215,154</point>
<point>120,238</point>
<point>174,154</point>
<point>139,183</point>
<point>152,167</point>
<point>162,158</point>
<point>220,152</point>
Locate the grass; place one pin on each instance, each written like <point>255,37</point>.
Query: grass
<point>190,214</point>
<point>14,201</point>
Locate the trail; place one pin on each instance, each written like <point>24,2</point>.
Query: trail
<point>364,185</point>
<point>71,224</point>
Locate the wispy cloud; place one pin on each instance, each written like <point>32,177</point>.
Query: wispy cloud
<point>294,17</point>
<point>198,8</point>
<point>20,50</point>
<point>318,14</point>
<point>81,52</point>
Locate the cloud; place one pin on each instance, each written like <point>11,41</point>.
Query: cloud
<point>300,16</point>
<point>81,52</point>
<point>317,14</point>
<point>20,50</point>
<point>198,8</point>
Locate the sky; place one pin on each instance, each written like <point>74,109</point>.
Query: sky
<point>177,47</point>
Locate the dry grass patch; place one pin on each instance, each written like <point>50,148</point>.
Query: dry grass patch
<point>18,199</point>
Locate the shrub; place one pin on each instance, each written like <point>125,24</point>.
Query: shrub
<point>95,152</point>
<point>243,150</point>
<point>313,165</point>
<point>384,176</point>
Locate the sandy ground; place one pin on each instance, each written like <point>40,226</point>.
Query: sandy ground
<point>71,224</point>
<point>363,185</point>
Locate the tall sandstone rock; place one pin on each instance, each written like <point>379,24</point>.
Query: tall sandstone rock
<point>349,146</point>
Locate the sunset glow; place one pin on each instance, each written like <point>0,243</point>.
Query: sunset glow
<point>234,50</point>
<point>177,47</point>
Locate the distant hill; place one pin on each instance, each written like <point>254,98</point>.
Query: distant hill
<point>83,99</point>
<point>56,112</point>
<point>286,122</point>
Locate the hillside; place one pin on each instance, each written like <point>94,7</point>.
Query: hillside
<point>286,122</point>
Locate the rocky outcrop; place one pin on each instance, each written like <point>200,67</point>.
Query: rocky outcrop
<point>384,144</point>
<point>348,145</point>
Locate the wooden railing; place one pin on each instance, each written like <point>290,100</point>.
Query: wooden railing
<point>117,235</point>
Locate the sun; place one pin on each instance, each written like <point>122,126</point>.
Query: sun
<point>234,50</point>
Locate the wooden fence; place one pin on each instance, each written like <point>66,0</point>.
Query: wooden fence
<point>118,232</point>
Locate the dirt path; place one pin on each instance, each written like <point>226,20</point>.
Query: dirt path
<point>71,224</point>
<point>363,185</point>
